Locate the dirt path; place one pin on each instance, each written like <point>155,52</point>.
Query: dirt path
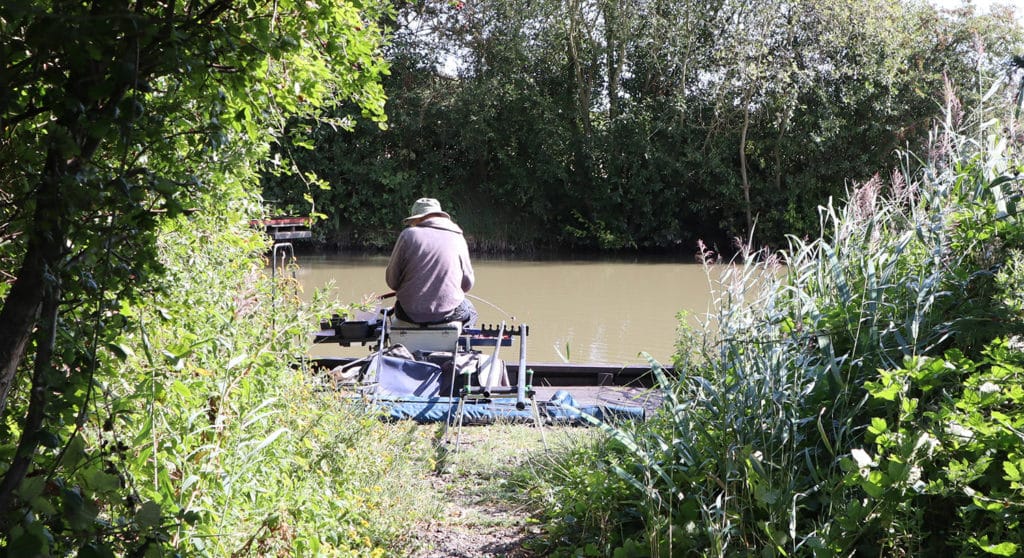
<point>479,517</point>
<point>472,527</point>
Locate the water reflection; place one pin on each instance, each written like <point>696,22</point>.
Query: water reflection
<point>580,310</point>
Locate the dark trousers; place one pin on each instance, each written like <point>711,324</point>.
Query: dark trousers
<point>465,313</point>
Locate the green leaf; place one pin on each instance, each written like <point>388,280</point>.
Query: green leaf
<point>1001,549</point>
<point>78,511</point>
<point>235,361</point>
<point>878,426</point>
<point>181,389</point>
<point>120,350</point>
<point>28,543</point>
<point>873,489</point>
<point>149,515</point>
<point>1012,473</point>
<point>269,439</point>
<point>31,487</point>
<point>100,481</point>
<point>93,550</point>
<point>48,439</point>
<point>43,506</point>
<point>174,360</point>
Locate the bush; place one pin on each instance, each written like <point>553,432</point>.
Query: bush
<point>200,438</point>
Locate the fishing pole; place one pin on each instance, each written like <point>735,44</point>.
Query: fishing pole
<point>474,297</point>
<point>492,305</point>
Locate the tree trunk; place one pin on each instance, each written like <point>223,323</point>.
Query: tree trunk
<point>34,299</point>
<point>575,45</point>
<point>783,125</point>
<point>743,167</point>
<point>46,239</point>
<point>37,403</point>
<point>18,318</point>
<point>615,57</point>
<point>20,312</point>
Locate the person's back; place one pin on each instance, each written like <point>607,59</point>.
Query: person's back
<point>430,269</point>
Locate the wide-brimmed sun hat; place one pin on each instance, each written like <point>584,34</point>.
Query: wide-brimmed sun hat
<point>424,207</point>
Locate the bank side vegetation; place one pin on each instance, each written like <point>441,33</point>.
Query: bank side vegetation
<point>147,402</point>
<point>856,394</point>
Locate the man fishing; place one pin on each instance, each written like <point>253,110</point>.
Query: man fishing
<point>430,270</point>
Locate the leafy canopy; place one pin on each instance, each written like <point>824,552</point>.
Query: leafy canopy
<point>115,116</point>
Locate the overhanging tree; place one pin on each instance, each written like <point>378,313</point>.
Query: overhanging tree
<point>114,115</point>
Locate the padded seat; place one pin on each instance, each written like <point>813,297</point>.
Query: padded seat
<point>425,339</point>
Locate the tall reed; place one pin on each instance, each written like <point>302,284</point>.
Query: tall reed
<point>757,450</point>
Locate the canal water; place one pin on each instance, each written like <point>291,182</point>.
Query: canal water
<point>583,311</point>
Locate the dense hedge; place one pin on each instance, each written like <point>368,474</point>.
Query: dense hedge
<point>577,126</point>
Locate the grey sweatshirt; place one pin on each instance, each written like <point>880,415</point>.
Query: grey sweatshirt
<point>430,269</point>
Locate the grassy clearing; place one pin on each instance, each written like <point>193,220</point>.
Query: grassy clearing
<point>489,453</point>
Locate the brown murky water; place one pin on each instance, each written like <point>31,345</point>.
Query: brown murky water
<point>602,311</point>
